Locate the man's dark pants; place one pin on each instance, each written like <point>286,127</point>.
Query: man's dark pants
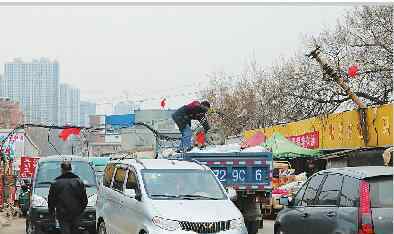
<point>69,226</point>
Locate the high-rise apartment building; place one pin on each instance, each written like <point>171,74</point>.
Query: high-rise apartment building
<point>35,85</point>
<point>123,108</point>
<point>87,109</point>
<point>69,105</point>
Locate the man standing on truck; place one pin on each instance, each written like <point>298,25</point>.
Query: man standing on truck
<point>183,116</point>
<point>68,196</point>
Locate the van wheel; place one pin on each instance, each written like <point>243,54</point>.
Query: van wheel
<point>102,229</point>
<point>252,227</point>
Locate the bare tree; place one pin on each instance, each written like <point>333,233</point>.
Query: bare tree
<point>296,87</point>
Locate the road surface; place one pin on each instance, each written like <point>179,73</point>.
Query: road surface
<point>17,226</point>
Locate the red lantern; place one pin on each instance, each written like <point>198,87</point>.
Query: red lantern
<point>163,103</point>
<point>352,71</point>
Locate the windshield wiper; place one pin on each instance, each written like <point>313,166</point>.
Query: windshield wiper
<point>197,196</point>
<point>164,195</point>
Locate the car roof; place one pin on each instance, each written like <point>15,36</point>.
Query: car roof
<point>57,158</point>
<point>161,164</point>
<point>362,172</point>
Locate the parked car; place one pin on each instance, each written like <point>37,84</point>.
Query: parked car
<point>48,168</point>
<point>165,196</point>
<point>353,200</point>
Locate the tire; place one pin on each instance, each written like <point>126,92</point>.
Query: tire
<point>252,227</point>
<point>92,230</point>
<point>102,229</point>
<point>31,228</point>
<point>278,231</point>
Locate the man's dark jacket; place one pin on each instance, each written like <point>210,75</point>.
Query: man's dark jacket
<point>192,111</point>
<point>68,195</point>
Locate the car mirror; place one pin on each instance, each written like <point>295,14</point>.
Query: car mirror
<point>284,200</point>
<point>231,193</point>
<point>130,193</point>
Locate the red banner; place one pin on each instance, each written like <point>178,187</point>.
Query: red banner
<point>28,166</point>
<point>308,140</point>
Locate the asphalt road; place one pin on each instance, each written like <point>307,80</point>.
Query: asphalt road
<point>17,226</point>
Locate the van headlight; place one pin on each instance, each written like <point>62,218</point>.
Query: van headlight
<point>237,223</point>
<point>92,200</point>
<point>38,201</point>
<point>166,224</point>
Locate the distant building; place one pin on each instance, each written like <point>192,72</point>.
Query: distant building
<point>2,89</point>
<point>87,109</point>
<point>10,113</point>
<point>140,137</point>
<point>125,107</point>
<point>69,105</point>
<point>35,85</point>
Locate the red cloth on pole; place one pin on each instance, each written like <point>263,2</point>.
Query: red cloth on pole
<point>69,131</point>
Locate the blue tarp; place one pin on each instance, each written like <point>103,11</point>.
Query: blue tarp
<point>119,121</point>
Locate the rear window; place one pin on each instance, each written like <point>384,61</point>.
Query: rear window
<point>48,171</point>
<point>381,190</point>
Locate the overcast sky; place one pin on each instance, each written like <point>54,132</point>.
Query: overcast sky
<point>155,52</point>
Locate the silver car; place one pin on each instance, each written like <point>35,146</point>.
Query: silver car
<point>165,196</point>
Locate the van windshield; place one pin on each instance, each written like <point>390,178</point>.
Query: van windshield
<point>182,184</point>
<point>48,171</point>
<point>381,189</point>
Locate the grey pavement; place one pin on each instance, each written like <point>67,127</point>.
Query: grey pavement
<point>17,226</point>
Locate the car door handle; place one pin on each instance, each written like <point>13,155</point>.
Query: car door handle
<point>331,214</point>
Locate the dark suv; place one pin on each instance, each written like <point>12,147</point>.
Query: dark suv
<point>48,168</point>
<point>352,200</point>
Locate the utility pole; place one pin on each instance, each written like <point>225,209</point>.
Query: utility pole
<point>336,77</point>
<point>327,69</point>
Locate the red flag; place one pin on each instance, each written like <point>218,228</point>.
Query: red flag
<point>352,71</point>
<point>69,131</point>
<point>163,103</point>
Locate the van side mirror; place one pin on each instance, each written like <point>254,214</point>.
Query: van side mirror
<point>130,193</point>
<point>231,193</point>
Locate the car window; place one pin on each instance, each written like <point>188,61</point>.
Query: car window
<point>119,178</point>
<point>311,190</point>
<point>350,192</point>
<point>330,190</point>
<point>108,173</point>
<point>381,190</point>
<point>48,171</point>
<point>131,181</point>
<point>300,194</point>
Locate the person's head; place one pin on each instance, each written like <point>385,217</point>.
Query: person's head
<point>66,167</point>
<point>24,187</point>
<point>206,104</point>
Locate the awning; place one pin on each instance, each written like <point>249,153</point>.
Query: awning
<point>282,148</point>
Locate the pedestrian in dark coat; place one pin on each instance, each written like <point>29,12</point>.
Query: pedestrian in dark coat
<point>183,117</point>
<point>67,199</point>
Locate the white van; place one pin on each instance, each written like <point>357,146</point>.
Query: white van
<point>165,196</point>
